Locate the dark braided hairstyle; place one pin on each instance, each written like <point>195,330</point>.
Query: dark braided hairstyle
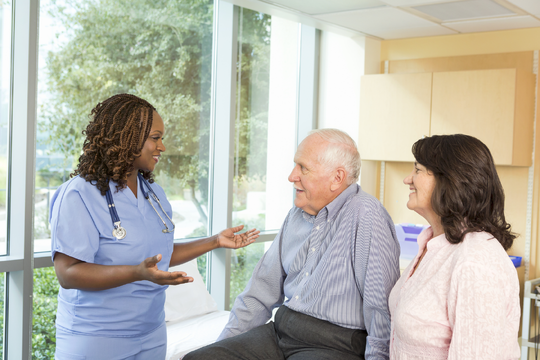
<point>114,139</point>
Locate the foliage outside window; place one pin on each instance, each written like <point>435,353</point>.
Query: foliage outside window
<point>251,124</point>
<point>2,299</point>
<point>158,50</point>
<point>45,302</point>
<point>243,263</point>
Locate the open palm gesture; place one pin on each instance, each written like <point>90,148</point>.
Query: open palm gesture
<point>228,239</point>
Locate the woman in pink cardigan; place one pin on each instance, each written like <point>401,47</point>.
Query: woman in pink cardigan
<point>459,298</point>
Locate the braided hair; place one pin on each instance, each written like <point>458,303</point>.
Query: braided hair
<point>115,137</point>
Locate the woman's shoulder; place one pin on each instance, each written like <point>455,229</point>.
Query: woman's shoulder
<point>481,260</point>
<point>78,186</point>
<point>481,249</point>
<point>81,185</point>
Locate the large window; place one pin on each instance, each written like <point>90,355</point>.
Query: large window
<point>158,50</point>
<point>265,108</point>
<point>165,51</point>
<point>91,50</point>
<point>265,122</point>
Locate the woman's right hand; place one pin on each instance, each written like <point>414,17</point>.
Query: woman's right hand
<point>148,270</point>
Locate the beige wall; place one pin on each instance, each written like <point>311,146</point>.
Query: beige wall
<point>460,52</point>
<point>462,44</point>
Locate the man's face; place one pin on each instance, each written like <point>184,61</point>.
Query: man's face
<point>311,181</point>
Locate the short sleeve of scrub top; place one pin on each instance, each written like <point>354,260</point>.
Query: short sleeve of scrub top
<point>73,230</point>
<point>81,227</point>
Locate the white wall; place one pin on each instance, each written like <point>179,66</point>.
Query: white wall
<point>281,120</point>
<point>342,63</point>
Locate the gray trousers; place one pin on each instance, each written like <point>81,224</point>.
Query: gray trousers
<point>292,336</point>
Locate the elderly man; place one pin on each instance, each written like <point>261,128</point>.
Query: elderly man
<point>329,270</point>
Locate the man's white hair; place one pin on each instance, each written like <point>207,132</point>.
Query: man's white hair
<point>341,152</point>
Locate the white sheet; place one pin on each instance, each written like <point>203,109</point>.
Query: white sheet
<point>190,334</point>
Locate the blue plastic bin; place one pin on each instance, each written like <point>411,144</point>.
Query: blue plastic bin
<point>407,235</point>
<point>516,260</point>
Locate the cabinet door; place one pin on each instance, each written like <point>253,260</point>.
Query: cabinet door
<point>482,103</point>
<point>394,113</point>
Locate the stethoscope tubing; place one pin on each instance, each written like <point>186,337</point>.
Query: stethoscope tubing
<point>119,232</point>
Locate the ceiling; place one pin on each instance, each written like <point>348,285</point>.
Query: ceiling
<point>398,19</point>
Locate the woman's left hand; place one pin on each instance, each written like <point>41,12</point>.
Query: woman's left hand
<point>228,239</point>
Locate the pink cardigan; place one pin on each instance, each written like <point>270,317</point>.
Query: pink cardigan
<point>462,302</point>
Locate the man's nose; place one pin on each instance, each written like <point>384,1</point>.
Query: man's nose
<point>293,177</point>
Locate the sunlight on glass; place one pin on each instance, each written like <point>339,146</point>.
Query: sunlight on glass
<point>266,70</point>
<point>265,132</point>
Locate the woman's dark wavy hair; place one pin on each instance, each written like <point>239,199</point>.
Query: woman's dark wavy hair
<point>114,139</point>
<point>468,194</point>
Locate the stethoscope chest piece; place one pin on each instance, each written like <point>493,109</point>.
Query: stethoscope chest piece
<point>119,232</point>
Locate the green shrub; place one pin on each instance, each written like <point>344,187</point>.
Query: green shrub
<point>43,322</point>
<point>2,279</point>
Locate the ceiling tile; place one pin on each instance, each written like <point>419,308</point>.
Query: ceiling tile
<point>314,7</point>
<point>434,30</point>
<point>461,10</point>
<point>511,22</point>
<point>377,20</point>
<point>406,3</point>
<point>531,6</point>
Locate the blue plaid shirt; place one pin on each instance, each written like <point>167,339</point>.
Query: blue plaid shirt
<point>338,266</point>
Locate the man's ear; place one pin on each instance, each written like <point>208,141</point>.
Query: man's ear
<point>339,179</point>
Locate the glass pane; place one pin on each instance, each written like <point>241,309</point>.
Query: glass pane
<point>44,313</point>
<point>201,266</point>
<point>160,51</point>
<point>243,263</point>
<point>5,71</point>
<point>265,119</point>
<point>2,298</point>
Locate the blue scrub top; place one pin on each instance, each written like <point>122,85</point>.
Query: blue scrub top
<point>82,228</point>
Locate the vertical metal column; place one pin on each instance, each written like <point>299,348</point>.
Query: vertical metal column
<point>18,324</point>
<point>222,134</point>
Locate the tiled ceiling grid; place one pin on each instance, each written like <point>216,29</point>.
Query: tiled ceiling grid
<point>396,19</point>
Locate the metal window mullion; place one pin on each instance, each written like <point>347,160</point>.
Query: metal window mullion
<point>222,133</point>
<point>18,323</point>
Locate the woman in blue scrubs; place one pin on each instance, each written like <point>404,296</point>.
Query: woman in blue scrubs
<point>112,240</point>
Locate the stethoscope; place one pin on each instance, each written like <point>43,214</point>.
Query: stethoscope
<point>119,232</point>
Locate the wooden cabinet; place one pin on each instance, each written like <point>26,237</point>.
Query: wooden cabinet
<point>394,113</point>
<point>496,106</point>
